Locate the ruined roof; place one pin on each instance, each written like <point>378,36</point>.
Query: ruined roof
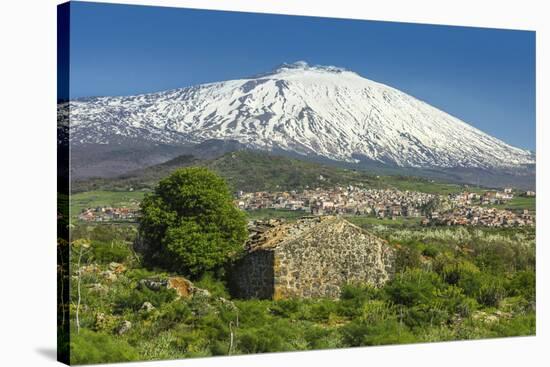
<point>270,234</point>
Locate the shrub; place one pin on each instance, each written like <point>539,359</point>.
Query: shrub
<point>106,252</point>
<point>407,258</point>
<point>447,303</point>
<point>323,310</point>
<point>291,308</point>
<point>173,314</point>
<point>359,291</point>
<point>388,331</point>
<point>215,286</point>
<point>276,336</point>
<point>134,298</point>
<point>353,297</point>
<point>456,272</point>
<point>442,260</point>
<point>496,257</point>
<point>521,325</point>
<point>414,287</point>
<point>423,315</point>
<point>254,312</point>
<point>491,291</point>
<point>322,338</point>
<point>90,347</point>
<point>523,284</point>
<point>430,251</point>
<point>466,307</point>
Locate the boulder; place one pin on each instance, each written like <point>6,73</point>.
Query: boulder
<point>153,284</point>
<point>97,287</point>
<point>227,303</point>
<point>124,327</point>
<point>109,275</point>
<point>200,292</point>
<point>147,307</point>
<point>90,269</point>
<point>184,288</point>
<point>117,268</point>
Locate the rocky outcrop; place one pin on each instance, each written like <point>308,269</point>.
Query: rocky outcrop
<point>124,327</point>
<point>313,257</point>
<point>183,287</point>
<point>147,307</point>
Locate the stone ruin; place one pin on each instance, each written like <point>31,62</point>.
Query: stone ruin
<point>310,258</point>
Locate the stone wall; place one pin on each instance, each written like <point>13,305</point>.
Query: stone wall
<point>252,276</point>
<point>319,262</point>
<point>315,262</point>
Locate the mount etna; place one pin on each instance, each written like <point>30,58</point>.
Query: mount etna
<point>321,113</point>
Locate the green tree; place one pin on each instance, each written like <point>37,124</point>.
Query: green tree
<point>189,224</point>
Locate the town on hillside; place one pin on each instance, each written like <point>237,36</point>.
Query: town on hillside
<point>339,200</point>
<point>109,214</point>
<point>462,208</point>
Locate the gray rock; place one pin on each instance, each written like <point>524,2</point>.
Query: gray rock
<point>154,285</point>
<point>147,307</point>
<point>124,327</point>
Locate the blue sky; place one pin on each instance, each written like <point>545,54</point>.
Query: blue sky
<point>485,77</point>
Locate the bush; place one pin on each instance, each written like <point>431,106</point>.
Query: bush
<point>523,284</point>
<point>278,335</point>
<point>466,307</point>
<point>407,258</point>
<point>456,272</point>
<point>497,257</point>
<point>424,315</point>
<point>448,303</point>
<point>215,286</point>
<point>359,292</point>
<point>323,310</point>
<point>430,251</point>
<point>322,338</point>
<point>521,325</point>
<point>189,224</point>
<point>88,347</point>
<point>389,331</point>
<point>106,252</point>
<point>353,297</point>
<point>414,287</point>
<point>491,291</point>
<point>173,314</point>
<point>291,308</point>
<point>134,298</point>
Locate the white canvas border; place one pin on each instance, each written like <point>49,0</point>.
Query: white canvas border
<point>27,144</point>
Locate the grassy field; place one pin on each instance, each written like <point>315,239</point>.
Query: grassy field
<point>91,199</point>
<point>366,221</point>
<point>424,185</point>
<point>519,203</point>
<point>275,213</point>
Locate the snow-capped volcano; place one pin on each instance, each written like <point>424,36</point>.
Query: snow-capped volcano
<point>310,110</point>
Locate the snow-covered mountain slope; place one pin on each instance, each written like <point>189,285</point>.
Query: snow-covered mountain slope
<point>309,110</point>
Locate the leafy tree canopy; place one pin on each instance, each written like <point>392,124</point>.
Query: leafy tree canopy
<point>189,224</point>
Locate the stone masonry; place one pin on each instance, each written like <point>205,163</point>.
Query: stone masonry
<point>311,258</point>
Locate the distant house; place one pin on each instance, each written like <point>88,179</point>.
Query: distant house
<point>313,257</point>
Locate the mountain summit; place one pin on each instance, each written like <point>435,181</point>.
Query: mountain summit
<point>321,111</point>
